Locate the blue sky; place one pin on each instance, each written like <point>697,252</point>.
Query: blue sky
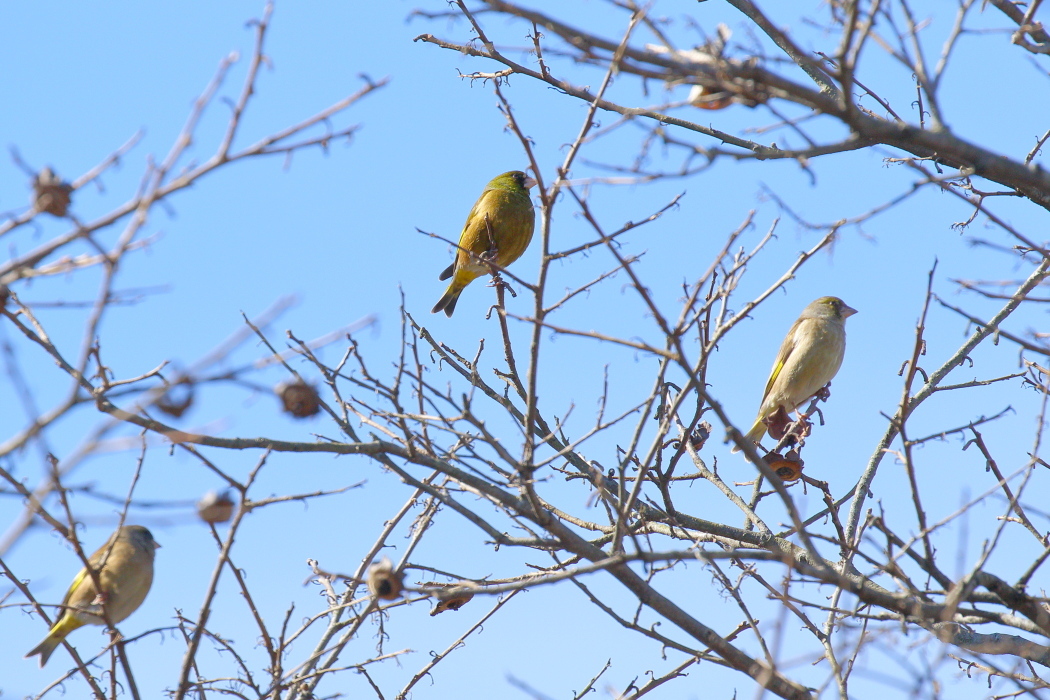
<point>339,230</point>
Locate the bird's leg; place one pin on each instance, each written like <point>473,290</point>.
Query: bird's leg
<point>801,428</point>
<point>789,432</point>
<point>491,252</point>
<point>824,393</point>
<point>497,281</point>
<point>96,608</point>
<point>490,256</point>
<point>810,410</point>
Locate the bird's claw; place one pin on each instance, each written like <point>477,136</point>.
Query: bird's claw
<point>497,281</point>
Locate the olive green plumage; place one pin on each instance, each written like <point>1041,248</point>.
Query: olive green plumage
<point>808,359</point>
<point>499,228</point>
<point>125,570</point>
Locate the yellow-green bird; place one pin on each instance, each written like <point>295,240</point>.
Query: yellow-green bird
<point>808,359</point>
<point>125,570</point>
<point>498,229</point>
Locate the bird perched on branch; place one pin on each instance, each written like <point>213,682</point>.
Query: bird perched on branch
<point>498,230</point>
<point>808,359</point>
<point>124,567</point>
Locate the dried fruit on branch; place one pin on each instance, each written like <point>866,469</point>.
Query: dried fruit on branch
<point>51,194</point>
<point>215,507</point>
<point>299,398</point>
<point>450,596</point>
<point>383,582</point>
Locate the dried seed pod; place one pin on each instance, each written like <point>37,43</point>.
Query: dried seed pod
<point>299,398</point>
<point>50,194</point>
<point>450,596</point>
<point>706,97</point>
<point>176,400</point>
<point>383,581</point>
<point>697,438</point>
<point>787,466</point>
<point>721,95</point>
<point>215,507</point>
<point>777,424</point>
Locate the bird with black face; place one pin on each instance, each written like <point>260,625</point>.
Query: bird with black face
<point>498,230</point>
<point>124,568</point>
<point>809,358</point>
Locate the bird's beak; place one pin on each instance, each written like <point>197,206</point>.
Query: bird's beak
<point>847,311</point>
<point>530,183</point>
<point>156,544</point>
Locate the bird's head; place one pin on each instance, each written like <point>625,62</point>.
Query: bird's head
<point>513,180</point>
<point>140,537</point>
<point>829,307</point>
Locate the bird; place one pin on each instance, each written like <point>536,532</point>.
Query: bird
<point>498,229</point>
<point>809,358</point>
<point>124,566</point>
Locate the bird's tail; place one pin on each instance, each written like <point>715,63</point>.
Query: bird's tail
<point>45,649</point>
<point>64,626</point>
<point>757,432</point>
<point>447,302</point>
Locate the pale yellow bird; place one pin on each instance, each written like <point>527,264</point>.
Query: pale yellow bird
<point>125,571</point>
<point>499,228</point>
<point>809,357</point>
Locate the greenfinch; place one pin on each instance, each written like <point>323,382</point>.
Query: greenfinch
<point>498,229</point>
<point>125,570</point>
<point>808,359</point>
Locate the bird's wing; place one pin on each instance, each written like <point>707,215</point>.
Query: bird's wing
<point>79,579</point>
<point>475,235</point>
<point>786,349</point>
<point>475,212</point>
